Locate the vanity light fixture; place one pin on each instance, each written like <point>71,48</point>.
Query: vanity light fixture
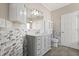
<point>35,12</point>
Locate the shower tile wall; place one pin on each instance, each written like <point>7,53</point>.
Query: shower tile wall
<point>11,43</point>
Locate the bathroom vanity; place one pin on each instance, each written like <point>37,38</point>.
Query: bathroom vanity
<point>38,45</point>
<point>38,32</point>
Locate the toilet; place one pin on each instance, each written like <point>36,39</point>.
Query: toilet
<point>55,42</point>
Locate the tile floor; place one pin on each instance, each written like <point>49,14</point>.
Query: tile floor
<point>62,51</point>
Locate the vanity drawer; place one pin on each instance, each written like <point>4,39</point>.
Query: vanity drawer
<point>38,47</point>
<point>38,38</point>
<point>38,52</point>
<point>38,41</point>
<point>39,44</point>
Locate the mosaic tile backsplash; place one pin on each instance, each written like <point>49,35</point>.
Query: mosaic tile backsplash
<point>11,43</point>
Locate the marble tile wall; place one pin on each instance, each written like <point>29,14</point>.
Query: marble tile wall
<point>11,43</point>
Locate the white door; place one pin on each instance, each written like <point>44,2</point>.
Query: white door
<point>69,29</point>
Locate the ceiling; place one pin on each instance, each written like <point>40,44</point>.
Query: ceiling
<point>54,6</point>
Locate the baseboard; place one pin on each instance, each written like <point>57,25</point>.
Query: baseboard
<point>47,51</point>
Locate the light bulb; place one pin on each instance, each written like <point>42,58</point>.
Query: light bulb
<point>35,12</point>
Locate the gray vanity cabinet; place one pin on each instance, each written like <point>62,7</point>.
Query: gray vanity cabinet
<point>33,45</point>
<point>37,45</point>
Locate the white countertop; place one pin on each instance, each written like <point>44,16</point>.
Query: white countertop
<point>42,34</point>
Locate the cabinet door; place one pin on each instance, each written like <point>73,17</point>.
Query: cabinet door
<point>12,11</point>
<point>21,13</point>
<point>46,43</point>
<point>17,12</point>
<point>42,45</point>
